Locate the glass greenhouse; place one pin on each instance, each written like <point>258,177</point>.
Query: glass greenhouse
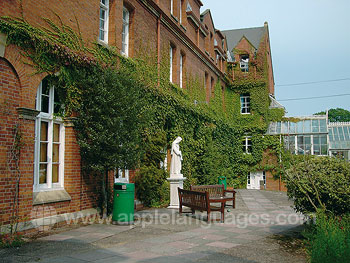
<point>314,135</point>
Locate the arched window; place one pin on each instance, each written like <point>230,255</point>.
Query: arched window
<point>49,140</point>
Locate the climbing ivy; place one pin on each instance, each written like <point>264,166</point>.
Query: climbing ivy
<point>212,133</point>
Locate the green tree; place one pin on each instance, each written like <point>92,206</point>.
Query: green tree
<point>109,122</point>
<point>337,114</point>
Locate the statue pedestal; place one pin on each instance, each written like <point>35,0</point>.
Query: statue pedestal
<point>176,180</point>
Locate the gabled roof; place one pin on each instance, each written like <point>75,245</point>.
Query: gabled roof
<point>207,11</point>
<point>253,35</point>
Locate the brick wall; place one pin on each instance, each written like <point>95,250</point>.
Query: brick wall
<point>19,85</point>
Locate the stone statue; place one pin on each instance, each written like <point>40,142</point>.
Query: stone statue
<point>176,178</point>
<point>176,157</point>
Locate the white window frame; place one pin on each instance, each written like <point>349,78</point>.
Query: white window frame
<point>244,64</point>
<point>245,103</point>
<point>171,63</point>
<point>172,7</point>
<point>246,145</point>
<point>181,70</point>
<point>51,120</point>
<point>180,19</point>
<point>125,32</point>
<point>104,29</point>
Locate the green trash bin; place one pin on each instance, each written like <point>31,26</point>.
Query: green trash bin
<point>123,204</point>
<point>222,180</point>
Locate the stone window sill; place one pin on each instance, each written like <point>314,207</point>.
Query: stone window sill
<point>47,197</point>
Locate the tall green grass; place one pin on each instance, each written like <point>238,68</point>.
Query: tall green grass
<point>329,239</point>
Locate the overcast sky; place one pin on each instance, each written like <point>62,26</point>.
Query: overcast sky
<point>310,42</point>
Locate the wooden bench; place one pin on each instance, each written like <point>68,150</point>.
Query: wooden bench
<point>198,201</point>
<point>215,191</point>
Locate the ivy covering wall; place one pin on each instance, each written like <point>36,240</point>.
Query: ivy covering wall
<point>212,133</point>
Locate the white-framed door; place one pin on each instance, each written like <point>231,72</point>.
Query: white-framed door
<point>254,179</point>
<point>121,176</point>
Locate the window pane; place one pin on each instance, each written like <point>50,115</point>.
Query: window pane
<point>278,127</point>
<point>315,126</point>
<point>284,127</point>
<point>55,173</point>
<point>45,90</point>
<point>323,126</point>
<point>244,145</point>
<point>102,13</point>
<point>56,132</point>
<point>292,127</point>
<point>307,139</point>
<point>45,103</point>
<point>292,143</point>
<point>43,131</point>
<point>307,126</point>
<point>341,133</point>
<point>57,103</point>
<point>56,153</point>
<point>43,152</point>
<point>323,139</point>
<point>324,149</point>
<point>317,149</point>
<point>43,174</point>
<point>316,139</point>
<point>102,36</point>
<point>300,127</point>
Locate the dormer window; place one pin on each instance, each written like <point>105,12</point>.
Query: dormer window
<point>215,42</point>
<point>244,63</point>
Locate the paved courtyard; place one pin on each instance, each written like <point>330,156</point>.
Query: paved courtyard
<point>162,235</point>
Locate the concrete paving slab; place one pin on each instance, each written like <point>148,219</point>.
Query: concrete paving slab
<point>221,244</point>
<point>92,255</point>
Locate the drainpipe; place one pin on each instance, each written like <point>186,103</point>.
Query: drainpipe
<point>158,47</point>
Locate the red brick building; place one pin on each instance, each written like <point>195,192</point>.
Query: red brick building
<point>50,181</point>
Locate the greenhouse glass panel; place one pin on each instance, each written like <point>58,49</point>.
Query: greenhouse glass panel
<point>278,130</point>
<point>316,139</point>
<point>317,149</point>
<point>292,127</point>
<point>324,149</point>
<point>307,126</point>
<point>346,133</point>
<point>284,127</point>
<point>272,128</point>
<point>315,126</point>
<point>330,134</point>
<point>307,144</point>
<point>335,134</point>
<point>323,139</point>
<point>300,127</point>
<point>341,133</point>
<point>323,125</point>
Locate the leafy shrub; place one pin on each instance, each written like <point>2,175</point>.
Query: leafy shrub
<point>152,188</point>
<point>319,182</point>
<point>11,240</point>
<point>329,239</point>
